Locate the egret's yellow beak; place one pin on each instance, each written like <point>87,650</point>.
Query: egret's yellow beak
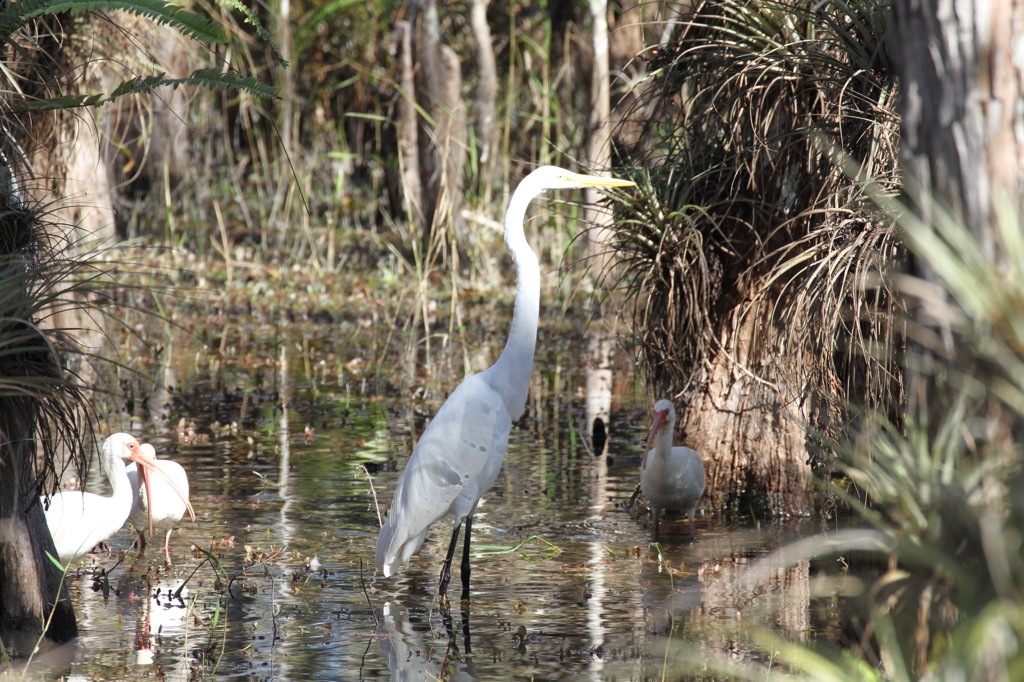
<point>597,181</point>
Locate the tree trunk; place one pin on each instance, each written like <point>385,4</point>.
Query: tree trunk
<point>408,130</point>
<point>442,132</point>
<point>486,97</point>
<point>31,590</point>
<point>962,87</point>
<point>747,421</point>
<point>30,584</point>
<point>599,139</point>
<point>960,101</point>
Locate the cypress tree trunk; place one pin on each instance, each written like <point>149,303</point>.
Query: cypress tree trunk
<point>960,105</point>
<point>442,138</point>
<point>31,590</point>
<point>747,420</point>
<point>962,144</point>
<point>30,584</point>
<point>486,97</point>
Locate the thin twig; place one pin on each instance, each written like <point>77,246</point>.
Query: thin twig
<point>373,491</point>
<point>366,593</point>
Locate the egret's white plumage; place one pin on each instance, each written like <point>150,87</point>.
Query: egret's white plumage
<point>78,521</point>
<point>159,500</point>
<point>461,451</point>
<point>670,477</point>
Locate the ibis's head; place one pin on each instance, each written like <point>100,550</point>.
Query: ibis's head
<point>664,416</point>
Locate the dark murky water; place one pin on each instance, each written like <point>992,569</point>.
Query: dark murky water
<point>566,582</point>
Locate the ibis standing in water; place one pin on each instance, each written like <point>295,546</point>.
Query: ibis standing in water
<point>670,477</point>
<point>461,451</point>
<point>78,520</point>
<point>161,500</point>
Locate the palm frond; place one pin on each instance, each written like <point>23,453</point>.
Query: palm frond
<point>746,111</point>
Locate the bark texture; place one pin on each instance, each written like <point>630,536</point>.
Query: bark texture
<point>961,110</point>
<point>961,100</point>
<point>441,132</point>
<point>486,96</point>
<point>408,132</point>
<point>30,584</point>
<point>746,419</point>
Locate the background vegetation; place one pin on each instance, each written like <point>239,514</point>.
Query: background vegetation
<point>763,255</point>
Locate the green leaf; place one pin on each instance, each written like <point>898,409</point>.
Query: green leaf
<point>252,19</point>
<point>211,79</point>
<point>189,23</point>
<point>57,563</point>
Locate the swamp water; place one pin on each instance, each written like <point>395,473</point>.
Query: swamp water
<point>288,459</point>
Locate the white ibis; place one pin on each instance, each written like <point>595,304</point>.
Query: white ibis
<point>160,499</point>
<point>78,520</point>
<point>460,453</point>
<point>670,477</point>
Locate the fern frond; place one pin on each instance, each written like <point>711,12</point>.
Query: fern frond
<point>264,35</point>
<point>217,80</point>
<point>189,23</point>
<point>211,79</point>
<point>59,103</point>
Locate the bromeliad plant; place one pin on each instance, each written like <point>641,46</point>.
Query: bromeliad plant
<point>745,112</point>
<point>745,220</point>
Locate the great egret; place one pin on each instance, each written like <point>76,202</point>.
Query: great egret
<point>161,500</point>
<point>670,477</point>
<point>79,521</point>
<point>460,453</point>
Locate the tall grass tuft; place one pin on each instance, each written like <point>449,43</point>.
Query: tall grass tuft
<point>745,214</point>
<point>39,393</point>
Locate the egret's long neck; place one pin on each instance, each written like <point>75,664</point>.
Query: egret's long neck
<point>511,373</point>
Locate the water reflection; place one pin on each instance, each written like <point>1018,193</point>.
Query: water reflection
<point>162,615</point>
<point>566,582</point>
<point>408,655</point>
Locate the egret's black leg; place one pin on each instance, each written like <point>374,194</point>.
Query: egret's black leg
<point>446,570</point>
<point>465,558</point>
<point>465,631</point>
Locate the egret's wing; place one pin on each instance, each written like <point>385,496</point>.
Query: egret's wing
<point>454,463</point>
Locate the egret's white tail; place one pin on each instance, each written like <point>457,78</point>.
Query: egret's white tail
<point>395,546</point>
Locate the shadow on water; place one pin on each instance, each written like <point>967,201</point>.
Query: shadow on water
<point>290,468</point>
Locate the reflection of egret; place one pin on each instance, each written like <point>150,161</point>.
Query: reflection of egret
<point>671,477</point>
<point>407,656</point>
<point>79,521</point>
<point>163,500</point>
<point>461,451</point>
